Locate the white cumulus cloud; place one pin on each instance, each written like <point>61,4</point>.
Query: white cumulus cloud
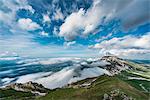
<point>126,42</point>
<point>14,6</point>
<point>126,46</point>
<point>46,18</point>
<point>83,22</point>
<point>28,24</point>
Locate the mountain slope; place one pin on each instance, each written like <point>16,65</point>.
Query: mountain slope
<point>11,94</point>
<point>123,80</point>
<point>102,86</point>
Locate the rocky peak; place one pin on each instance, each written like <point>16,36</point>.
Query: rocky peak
<point>29,87</point>
<point>114,60</point>
<point>111,58</point>
<point>116,64</point>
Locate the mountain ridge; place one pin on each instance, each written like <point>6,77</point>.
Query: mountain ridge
<point>120,70</point>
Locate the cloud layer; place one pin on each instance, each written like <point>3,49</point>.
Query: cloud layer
<point>73,25</point>
<point>83,22</point>
<point>65,76</point>
<point>126,45</point>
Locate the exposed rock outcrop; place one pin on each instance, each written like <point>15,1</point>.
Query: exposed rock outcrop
<point>117,94</point>
<point>116,64</point>
<point>32,87</point>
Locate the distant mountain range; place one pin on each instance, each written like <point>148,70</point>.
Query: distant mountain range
<point>106,78</point>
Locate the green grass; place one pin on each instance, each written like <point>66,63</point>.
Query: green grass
<point>137,66</point>
<point>104,84</point>
<point>141,74</point>
<point>135,83</point>
<point>11,94</point>
<point>139,70</point>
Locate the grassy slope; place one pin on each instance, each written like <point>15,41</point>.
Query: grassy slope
<point>104,84</point>
<point>140,70</point>
<point>11,94</point>
<point>133,82</point>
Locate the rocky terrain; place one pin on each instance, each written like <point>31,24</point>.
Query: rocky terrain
<point>116,64</point>
<point>34,88</point>
<point>125,81</point>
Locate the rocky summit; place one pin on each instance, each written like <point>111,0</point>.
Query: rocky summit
<point>122,80</point>
<point>32,87</point>
<point>116,64</point>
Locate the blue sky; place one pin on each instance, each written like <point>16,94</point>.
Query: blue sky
<point>78,28</point>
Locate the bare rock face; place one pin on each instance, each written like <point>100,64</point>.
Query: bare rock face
<point>82,84</point>
<point>114,60</point>
<point>116,64</point>
<point>32,87</point>
<point>117,94</point>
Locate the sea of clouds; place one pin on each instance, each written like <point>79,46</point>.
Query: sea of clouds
<point>71,70</point>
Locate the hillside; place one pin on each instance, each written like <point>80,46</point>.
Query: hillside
<point>103,85</point>
<point>126,81</point>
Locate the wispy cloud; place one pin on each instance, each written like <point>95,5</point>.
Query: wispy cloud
<point>13,6</point>
<point>126,46</point>
<point>49,28</point>
<point>46,18</point>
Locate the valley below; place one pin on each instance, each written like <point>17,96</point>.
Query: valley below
<point>106,78</point>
